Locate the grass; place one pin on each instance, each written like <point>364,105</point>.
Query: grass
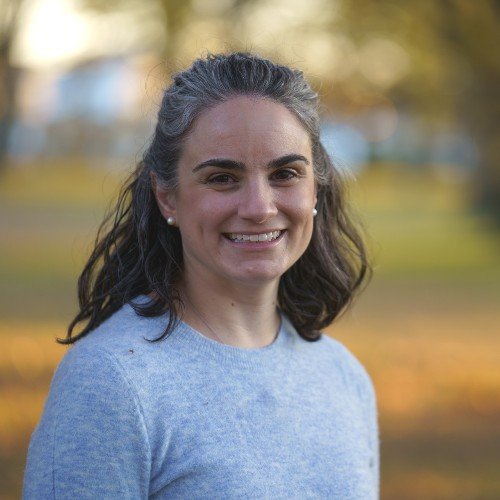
<point>426,328</point>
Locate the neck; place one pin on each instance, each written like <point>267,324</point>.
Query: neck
<point>242,316</point>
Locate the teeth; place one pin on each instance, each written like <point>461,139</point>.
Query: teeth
<point>255,237</point>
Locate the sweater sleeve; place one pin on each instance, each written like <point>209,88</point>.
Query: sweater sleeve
<point>359,378</point>
<point>91,441</point>
<point>367,393</point>
<point>372,418</point>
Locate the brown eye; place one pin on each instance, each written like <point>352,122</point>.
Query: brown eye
<point>284,174</point>
<point>221,179</point>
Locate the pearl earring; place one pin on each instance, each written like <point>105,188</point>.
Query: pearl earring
<point>315,212</point>
<point>171,221</point>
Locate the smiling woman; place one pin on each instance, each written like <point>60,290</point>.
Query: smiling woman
<point>200,370</point>
<point>245,169</point>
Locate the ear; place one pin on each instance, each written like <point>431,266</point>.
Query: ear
<point>165,198</point>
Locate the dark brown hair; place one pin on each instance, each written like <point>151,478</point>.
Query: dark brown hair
<point>137,253</point>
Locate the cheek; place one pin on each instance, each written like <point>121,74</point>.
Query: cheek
<point>204,216</point>
<point>217,206</point>
<point>299,205</point>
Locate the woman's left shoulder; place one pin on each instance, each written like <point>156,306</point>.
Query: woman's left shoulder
<point>337,355</point>
<point>336,348</point>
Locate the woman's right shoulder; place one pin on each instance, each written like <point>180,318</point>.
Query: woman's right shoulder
<point>124,337</point>
<point>123,328</point>
<point>94,400</point>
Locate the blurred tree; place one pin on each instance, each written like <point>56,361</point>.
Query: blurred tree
<point>453,72</point>
<point>174,16</point>
<point>454,69</point>
<point>9,18</point>
<point>171,14</point>
<point>472,31</point>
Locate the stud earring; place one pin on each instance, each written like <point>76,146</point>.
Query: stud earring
<point>171,221</point>
<point>315,212</point>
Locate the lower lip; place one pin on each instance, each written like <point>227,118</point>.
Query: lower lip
<point>256,244</point>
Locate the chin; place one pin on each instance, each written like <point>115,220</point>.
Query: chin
<point>260,276</point>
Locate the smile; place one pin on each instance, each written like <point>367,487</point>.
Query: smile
<point>273,235</point>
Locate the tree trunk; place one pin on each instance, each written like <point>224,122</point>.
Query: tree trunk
<point>480,111</point>
<point>8,86</point>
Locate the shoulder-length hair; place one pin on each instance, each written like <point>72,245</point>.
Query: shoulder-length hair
<point>138,253</point>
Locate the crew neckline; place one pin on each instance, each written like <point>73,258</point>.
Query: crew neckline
<point>237,356</point>
<point>186,337</point>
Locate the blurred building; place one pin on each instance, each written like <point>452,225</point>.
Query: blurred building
<point>104,110</point>
<point>97,109</point>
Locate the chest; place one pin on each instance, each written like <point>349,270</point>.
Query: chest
<point>263,437</point>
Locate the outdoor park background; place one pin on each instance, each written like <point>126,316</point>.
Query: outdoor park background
<point>411,108</point>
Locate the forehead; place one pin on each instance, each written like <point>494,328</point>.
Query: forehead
<point>243,124</point>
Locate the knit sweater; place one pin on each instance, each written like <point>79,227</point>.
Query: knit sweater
<point>190,418</point>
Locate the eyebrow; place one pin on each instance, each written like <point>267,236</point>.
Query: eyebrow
<point>285,160</point>
<point>227,164</point>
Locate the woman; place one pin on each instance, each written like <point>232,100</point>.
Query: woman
<point>199,369</point>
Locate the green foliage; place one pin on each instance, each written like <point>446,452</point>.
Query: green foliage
<point>421,227</point>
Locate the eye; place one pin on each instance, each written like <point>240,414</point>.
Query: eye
<point>221,179</point>
<point>284,174</point>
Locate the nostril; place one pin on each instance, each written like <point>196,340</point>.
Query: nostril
<point>257,217</point>
<point>257,212</point>
<point>257,201</point>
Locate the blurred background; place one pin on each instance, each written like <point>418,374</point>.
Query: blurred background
<point>410,94</point>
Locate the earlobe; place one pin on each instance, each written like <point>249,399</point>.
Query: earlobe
<point>165,198</point>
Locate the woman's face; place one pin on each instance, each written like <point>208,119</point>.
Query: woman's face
<point>245,195</point>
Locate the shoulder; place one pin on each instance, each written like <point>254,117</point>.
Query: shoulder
<point>93,402</point>
<point>330,359</point>
<point>124,351</point>
<point>123,334</point>
<point>345,360</point>
<point>125,328</point>
<point>110,355</point>
<point>341,354</point>
<point>104,373</point>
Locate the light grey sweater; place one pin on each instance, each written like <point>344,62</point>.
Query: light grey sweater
<point>190,418</point>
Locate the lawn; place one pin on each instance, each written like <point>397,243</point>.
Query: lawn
<point>426,328</point>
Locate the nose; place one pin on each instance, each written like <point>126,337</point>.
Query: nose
<point>257,203</point>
